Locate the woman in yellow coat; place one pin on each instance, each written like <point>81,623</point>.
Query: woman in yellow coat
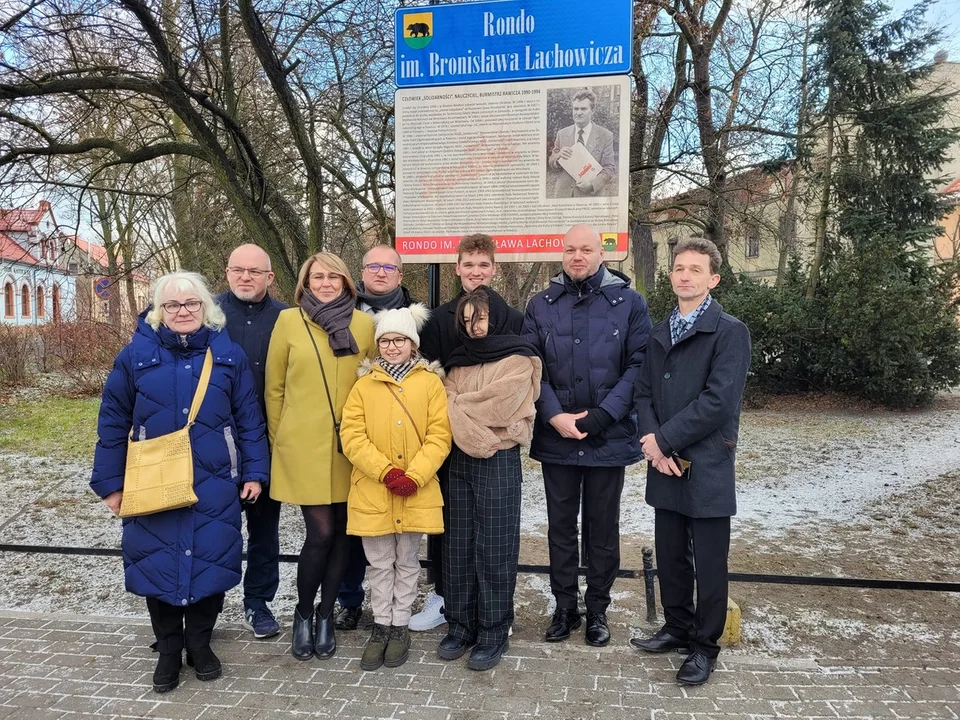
<point>312,364</point>
<point>397,434</point>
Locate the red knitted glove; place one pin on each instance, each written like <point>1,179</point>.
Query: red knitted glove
<point>392,474</point>
<point>401,485</point>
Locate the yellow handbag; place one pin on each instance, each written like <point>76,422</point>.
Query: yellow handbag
<point>159,473</point>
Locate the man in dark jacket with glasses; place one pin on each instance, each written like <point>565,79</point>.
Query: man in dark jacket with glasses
<point>251,314</point>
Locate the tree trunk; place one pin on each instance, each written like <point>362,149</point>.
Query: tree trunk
<point>820,233</point>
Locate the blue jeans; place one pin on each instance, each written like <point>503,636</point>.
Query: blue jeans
<point>351,587</point>
<point>262,577</point>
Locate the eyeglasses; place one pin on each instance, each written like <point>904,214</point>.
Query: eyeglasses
<point>173,307</point>
<point>377,267</point>
<point>397,342</point>
<point>329,277</point>
<point>255,273</point>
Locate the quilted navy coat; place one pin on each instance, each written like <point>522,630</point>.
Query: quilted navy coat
<point>593,338</point>
<point>182,556</point>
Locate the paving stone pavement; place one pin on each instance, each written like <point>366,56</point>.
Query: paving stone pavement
<point>68,666</point>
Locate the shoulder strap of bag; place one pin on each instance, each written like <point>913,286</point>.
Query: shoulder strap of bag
<point>201,387</point>
<point>336,423</point>
<point>412,421</point>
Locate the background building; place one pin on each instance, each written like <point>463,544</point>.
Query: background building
<point>37,285</point>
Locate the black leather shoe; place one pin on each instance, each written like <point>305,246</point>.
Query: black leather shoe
<point>661,642</point>
<point>205,663</point>
<point>597,633</point>
<point>348,618</point>
<point>696,669</point>
<point>564,622</point>
<point>325,637</point>
<point>484,657</point>
<point>301,646</point>
<point>450,648</point>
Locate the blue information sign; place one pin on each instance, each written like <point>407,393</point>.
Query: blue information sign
<point>477,42</point>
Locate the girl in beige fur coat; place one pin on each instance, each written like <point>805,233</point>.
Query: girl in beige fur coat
<point>492,382</point>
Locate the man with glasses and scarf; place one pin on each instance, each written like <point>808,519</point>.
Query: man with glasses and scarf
<point>379,289</point>
<point>251,314</point>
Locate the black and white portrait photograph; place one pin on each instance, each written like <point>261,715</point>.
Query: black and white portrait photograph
<point>583,130</point>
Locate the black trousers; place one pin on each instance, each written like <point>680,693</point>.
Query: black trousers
<point>262,576</point>
<point>693,551</point>
<point>351,587</point>
<point>435,542</point>
<point>482,545</point>
<point>600,488</point>
<point>190,626</point>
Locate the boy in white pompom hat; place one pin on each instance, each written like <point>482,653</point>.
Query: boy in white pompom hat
<point>396,434</point>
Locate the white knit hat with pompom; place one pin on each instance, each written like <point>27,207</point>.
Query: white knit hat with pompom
<point>406,321</point>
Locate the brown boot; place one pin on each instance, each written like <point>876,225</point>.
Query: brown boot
<point>398,648</point>
<point>376,646</point>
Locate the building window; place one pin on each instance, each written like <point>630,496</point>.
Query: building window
<point>25,301</point>
<point>753,240</point>
<point>56,303</point>
<point>8,310</point>
<point>788,230</point>
<point>43,249</point>
<point>41,302</point>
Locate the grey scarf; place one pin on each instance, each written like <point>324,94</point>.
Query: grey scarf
<point>334,319</point>
<point>392,300</point>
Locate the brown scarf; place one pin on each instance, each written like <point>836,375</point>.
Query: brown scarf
<point>334,319</point>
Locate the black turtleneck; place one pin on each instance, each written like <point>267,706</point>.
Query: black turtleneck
<point>250,324</point>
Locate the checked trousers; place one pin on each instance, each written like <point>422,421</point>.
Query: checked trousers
<point>481,545</point>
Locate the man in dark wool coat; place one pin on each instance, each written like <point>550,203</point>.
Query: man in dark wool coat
<point>689,395</point>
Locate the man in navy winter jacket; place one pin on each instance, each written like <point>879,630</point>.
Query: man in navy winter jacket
<point>689,395</point>
<point>591,329</point>
<point>251,314</point>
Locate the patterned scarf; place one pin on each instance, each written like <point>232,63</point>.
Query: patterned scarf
<point>397,372</point>
<point>680,327</point>
<point>334,319</point>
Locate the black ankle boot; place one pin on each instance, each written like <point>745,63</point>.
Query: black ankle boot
<point>205,663</point>
<point>302,645</point>
<point>325,637</point>
<point>167,674</point>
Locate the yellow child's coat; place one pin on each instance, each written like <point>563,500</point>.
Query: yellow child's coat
<point>377,436</point>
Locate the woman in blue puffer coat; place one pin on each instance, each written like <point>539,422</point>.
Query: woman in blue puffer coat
<point>183,561</point>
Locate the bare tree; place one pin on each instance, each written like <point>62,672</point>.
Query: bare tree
<point>742,69</point>
<point>260,104</point>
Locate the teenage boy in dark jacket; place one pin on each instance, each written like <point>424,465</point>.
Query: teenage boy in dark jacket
<point>476,266</point>
<point>689,395</point>
<point>591,329</point>
<point>251,314</point>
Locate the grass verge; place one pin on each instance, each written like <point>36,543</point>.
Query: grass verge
<point>53,427</point>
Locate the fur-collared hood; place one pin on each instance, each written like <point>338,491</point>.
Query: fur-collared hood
<point>370,364</point>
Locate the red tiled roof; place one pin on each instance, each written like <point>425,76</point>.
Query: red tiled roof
<point>741,191</point>
<point>98,253</point>
<point>11,250</point>
<point>15,220</point>
<point>952,187</point>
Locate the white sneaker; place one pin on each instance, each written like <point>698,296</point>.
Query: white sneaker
<point>431,616</point>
